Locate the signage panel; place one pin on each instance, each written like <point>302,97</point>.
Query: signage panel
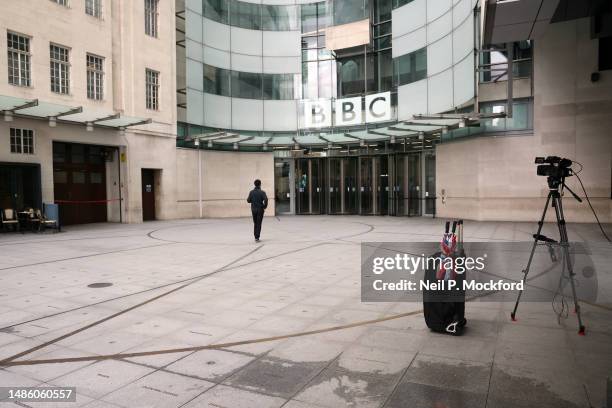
<point>347,111</point>
<point>378,107</point>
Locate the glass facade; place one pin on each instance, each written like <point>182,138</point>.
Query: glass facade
<point>400,3</point>
<point>252,16</point>
<point>318,64</point>
<point>446,54</point>
<point>278,86</point>
<point>248,85</point>
<point>348,11</point>
<point>522,116</point>
<point>411,67</point>
<point>279,18</point>
<point>217,80</point>
<point>216,10</point>
<point>498,59</point>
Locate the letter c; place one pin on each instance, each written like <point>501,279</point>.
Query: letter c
<point>371,107</point>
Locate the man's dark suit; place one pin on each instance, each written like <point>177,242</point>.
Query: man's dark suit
<point>259,202</point>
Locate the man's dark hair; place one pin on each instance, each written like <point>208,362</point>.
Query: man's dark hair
<point>258,183</point>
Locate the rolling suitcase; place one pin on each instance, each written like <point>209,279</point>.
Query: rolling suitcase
<point>444,308</point>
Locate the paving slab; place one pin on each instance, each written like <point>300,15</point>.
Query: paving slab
<point>274,376</point>
<point>338,387</point>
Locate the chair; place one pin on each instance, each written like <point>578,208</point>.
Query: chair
<point>9,219</point>
<point>44,222</point>
<point>32,221</point>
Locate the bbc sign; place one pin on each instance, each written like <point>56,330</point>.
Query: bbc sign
<point>347,111</point>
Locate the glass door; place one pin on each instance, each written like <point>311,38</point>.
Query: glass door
<point>350,186</point>
<point>429,182</point>
<point>408,185</point>
<point>302,187</point>
<point>335,186</point>
<point>310,177</point>
<point>282,186</point>
<point>382,184</point>
<point>317,186</point>
<point>366,185</point>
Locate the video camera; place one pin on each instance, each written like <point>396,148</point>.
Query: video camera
<point>555,167</point>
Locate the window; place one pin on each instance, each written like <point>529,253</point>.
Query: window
<point>318,65</point>
<point>348,11</point>
<point>216,80</point>
<point>95,178</point>
<point>279,18</point>
<point>18,47</point>
<point>351,75</point>
<point>411,67</point>
<point>60,176</point>
<point>152,89</point>
<point>245,15</point>
<point>95,77</point>
<point>277,86</point>
<point>77,154</point>
<point>151,17</point>
<point>522,116</point>
<point>521,66</point>
<point>400,3</point>
<point>249,85</point>
<point>60,69</point>
<point>216,10</point>
<point>246,85</point>
<point>93,8</point>
<point>78,177</point>
<point>382,10</point>
<point>61,2</point>
<point>22,141</point>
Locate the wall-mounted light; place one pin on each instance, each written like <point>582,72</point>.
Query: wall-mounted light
<point>329,145</point>
<point>462,123</point>
<point>122,131</point>
<point>235,146</point>
<point>264,147</point>
<point>392,141</point>
<point>296,146</point>
<point>8,116</point>
<point>210,144</point>
<point>362,143</point>
<point>445,130</point>
<point>52,121</point>
<point>421,135</point>
<point>196,142</point>
<point>89,127</point>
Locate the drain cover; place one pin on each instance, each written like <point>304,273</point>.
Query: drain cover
<point>100,285</point>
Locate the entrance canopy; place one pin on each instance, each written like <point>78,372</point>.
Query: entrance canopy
<point>422,128</point>
<point>33,108</point>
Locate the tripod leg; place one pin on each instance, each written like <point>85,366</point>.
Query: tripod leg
<point>535,242</point>
<point>568,260</point>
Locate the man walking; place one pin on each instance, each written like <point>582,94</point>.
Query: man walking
<point>259,202</point>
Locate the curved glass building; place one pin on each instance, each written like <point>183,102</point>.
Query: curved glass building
<point>385,107</point>
<point>341,79</point>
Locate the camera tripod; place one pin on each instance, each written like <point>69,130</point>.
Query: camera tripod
<point>556,186</point>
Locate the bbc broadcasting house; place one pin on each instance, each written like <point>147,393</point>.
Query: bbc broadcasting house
<point>127,111</point>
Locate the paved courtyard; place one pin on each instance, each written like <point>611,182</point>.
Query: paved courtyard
<point>304,275</point>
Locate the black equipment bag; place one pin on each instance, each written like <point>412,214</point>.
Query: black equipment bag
<point>444,309</point>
